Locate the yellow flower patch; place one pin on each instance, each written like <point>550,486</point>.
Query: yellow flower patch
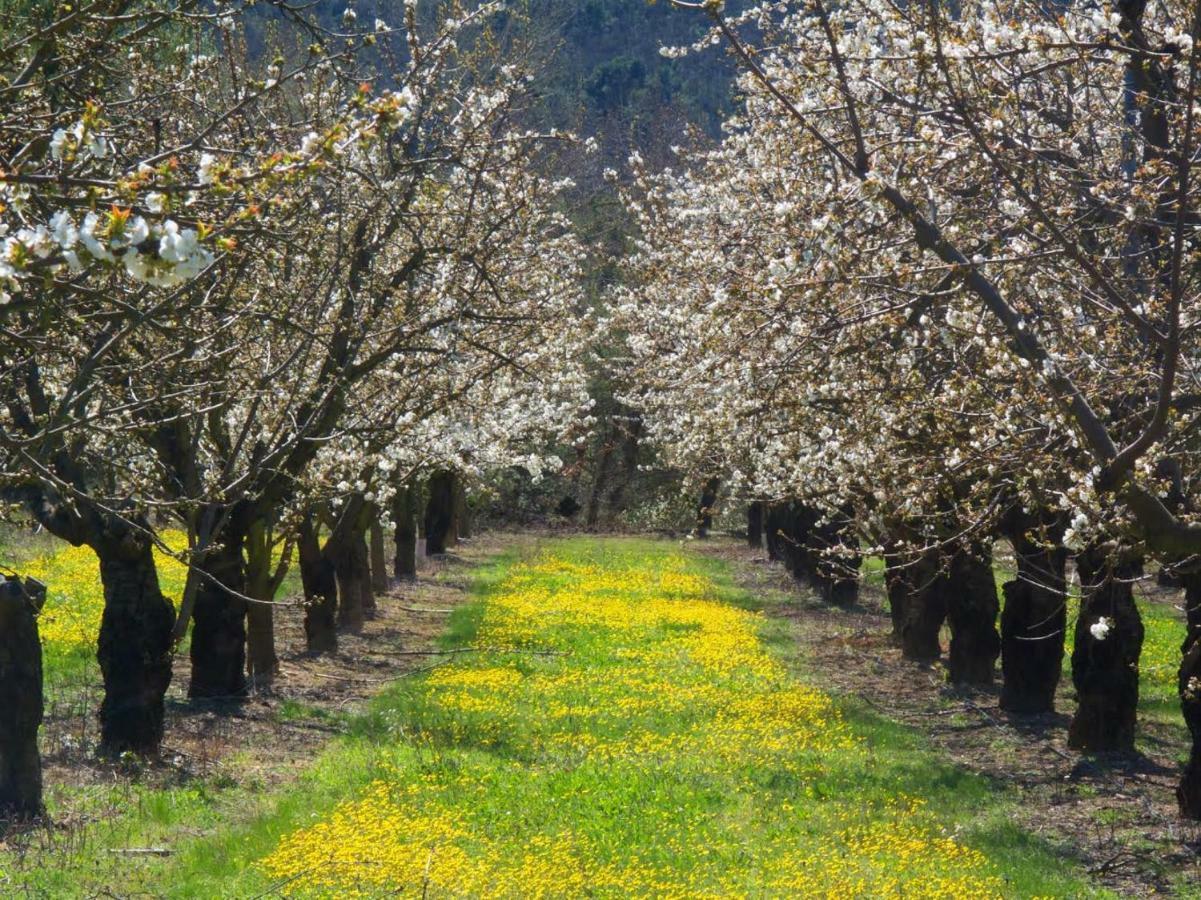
<point>635,738</point>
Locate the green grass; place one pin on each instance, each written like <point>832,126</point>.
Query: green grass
<point>535,780</point>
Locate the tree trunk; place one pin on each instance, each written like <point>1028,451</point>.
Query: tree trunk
<point>795,542</point>
<point>628,463</point>
<point>439,512</point>
<point>351,569</point>
<point>462,510</point>
<point>704,513</point>
<point>362,557</point>
<point>972,606</point>
<point>897,587</point>
<point>773,524</point>
<point>320,591</point>
<point>262,665</point>
<point>219,622</point>
<point>134,646</point>
<point>21,704</point>
<point>1105,667</point>
<point>754,524</point>
<point>603,465</point>
<point>404,511</point>
<point>834,556</point>
<point>924,609</point>
<point>379,562</point>
<point>1034,618</point>
<point>1188,792</point>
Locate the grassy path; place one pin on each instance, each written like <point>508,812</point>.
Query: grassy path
<point>623,722</point>
<point>626,726</point>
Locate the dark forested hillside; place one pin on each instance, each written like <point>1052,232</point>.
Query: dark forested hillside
<point>608,77</point>
<point>601,72</point>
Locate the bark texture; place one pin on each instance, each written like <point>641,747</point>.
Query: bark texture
<point>1105,666</point>
<point>404,512</point>
<point>1188,792</point>
<point>921,593</point>
<point>134,646</point>
<point>21,704</point>
<point>219,623</point>
<point>1034,617</point>
<point>320,591</point>
<point>972,606</point>
<point>439,512</point>
<point>754,524</point>
<point>353,571</point>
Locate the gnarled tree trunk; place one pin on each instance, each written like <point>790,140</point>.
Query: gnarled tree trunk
<point>971,593</point>
<point>20,699</point>
<point>1105,664</point>
<point>1034,617</point>
<point>134,646</point>
<point>834,552</point>
<point>799,556</point>
<point>219,622</point>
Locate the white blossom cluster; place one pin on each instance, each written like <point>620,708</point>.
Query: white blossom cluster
<point>915,276</point>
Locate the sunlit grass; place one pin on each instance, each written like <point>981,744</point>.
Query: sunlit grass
<point>629,725</point>
<point>627,731</point>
